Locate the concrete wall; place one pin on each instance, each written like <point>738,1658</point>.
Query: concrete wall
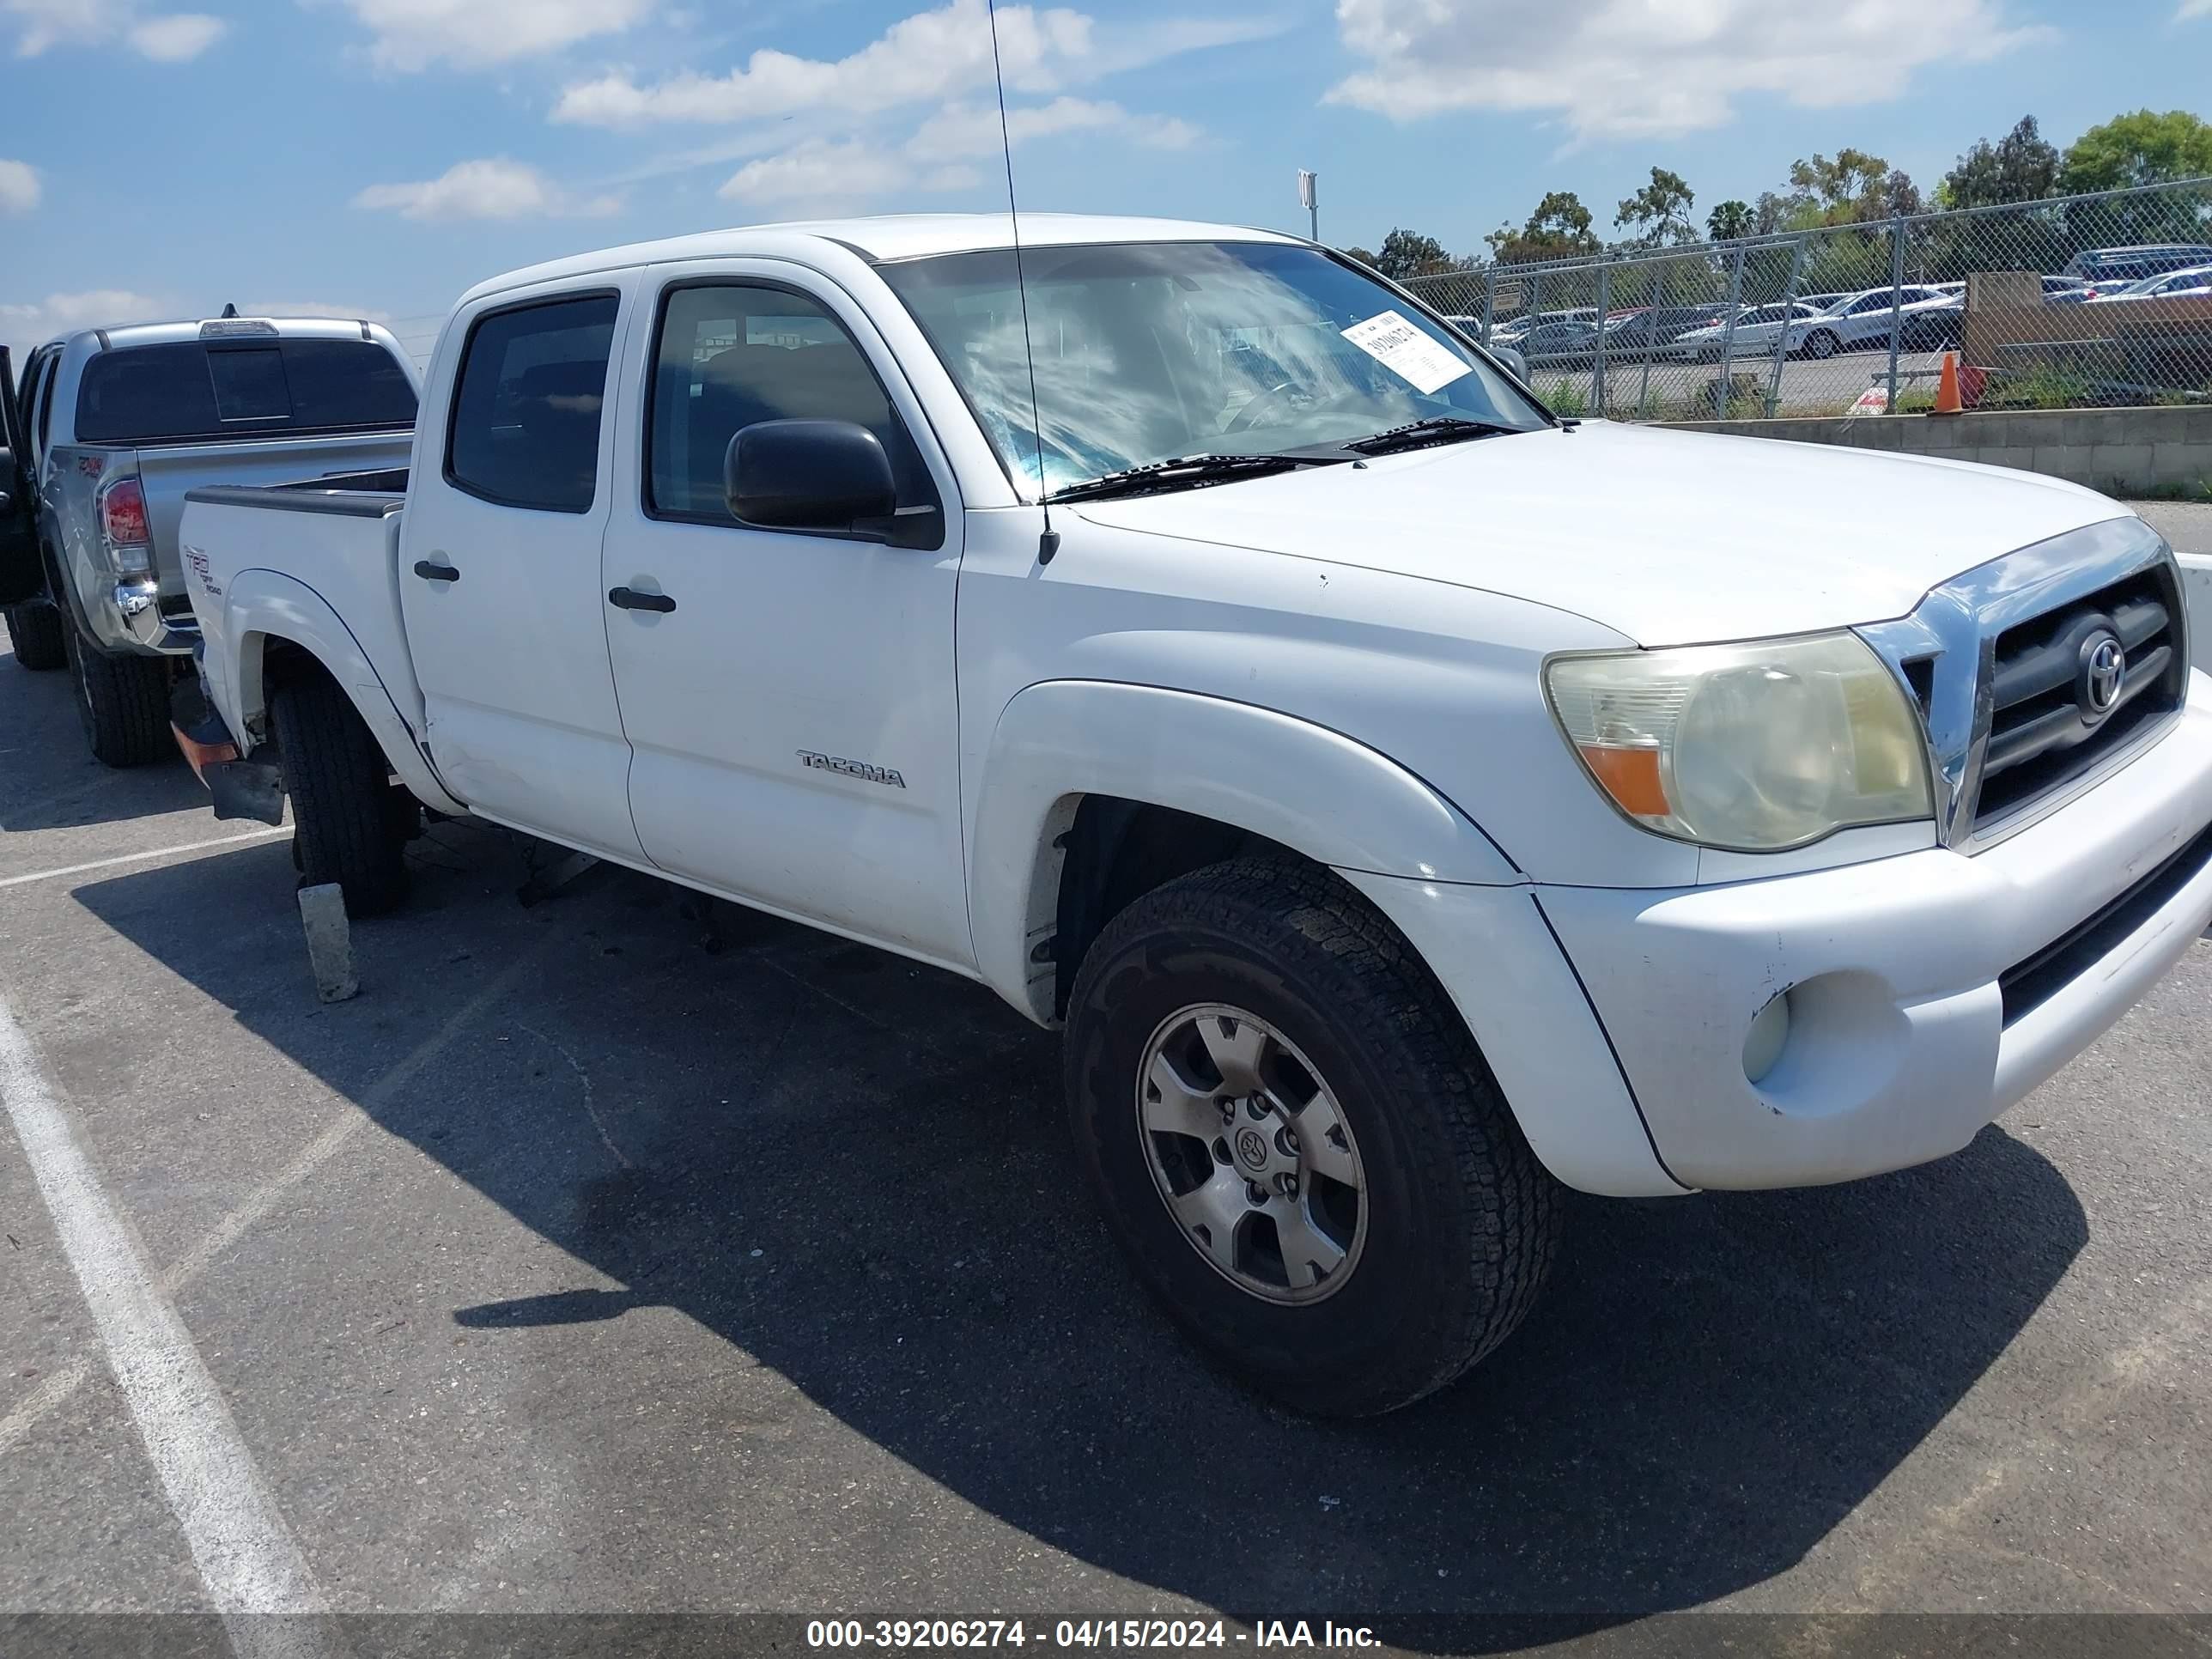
<point>2122,452</point>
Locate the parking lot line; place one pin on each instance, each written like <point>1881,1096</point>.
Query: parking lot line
<point>147,856</point>
<point>54,1390</point>
<point>248,1560</point>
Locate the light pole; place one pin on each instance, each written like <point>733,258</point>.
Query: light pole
<point>1310,199</point>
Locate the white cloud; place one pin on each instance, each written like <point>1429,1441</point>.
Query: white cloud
<point>412,34</point>
<point>177,38</point>
<point>972,130</point>
<point>925,58</point>
<point>821,176</point>
<point>22,326</point>
<point>2193,8</point>
<point>44,23</point>
<point>168,38</point>
<point>495,188</point>
<point>918,60</point>
<point>18,186</point>
<point>1631,68</point>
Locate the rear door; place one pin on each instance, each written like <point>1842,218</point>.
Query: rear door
<point>19,577</point>
<point>499,565</point>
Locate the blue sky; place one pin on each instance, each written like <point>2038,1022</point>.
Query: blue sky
<point>375,157</point>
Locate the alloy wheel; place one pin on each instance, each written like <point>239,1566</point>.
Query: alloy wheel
<point>1251,1154</point>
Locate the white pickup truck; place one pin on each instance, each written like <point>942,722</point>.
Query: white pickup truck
<point>1408,801</point>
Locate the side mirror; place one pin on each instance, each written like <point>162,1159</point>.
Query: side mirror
<point>827,477</point>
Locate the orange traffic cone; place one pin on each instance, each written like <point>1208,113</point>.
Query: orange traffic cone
<point>1947,388</point>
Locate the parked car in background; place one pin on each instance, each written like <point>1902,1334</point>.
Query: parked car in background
<point>2106,268</point>
<point>1510,356</point>
<point>1755,333</point>
<point>1862,321</point>
<point>1408,803</point>
<point>1511,329</point>
<point>119,423</point>
<point>1935,324</point>
<point>1939,324</point>
<point>1645,329</point>
<point>1564,344</point>
<point>2190,283</point>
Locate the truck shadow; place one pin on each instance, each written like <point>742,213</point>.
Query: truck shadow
<point>853,1171</point>
<point>48,778</point>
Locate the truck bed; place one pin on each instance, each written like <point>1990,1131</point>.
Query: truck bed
<point>337,537</point>
<point>169,472</point>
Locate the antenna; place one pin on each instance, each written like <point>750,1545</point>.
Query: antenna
<point>1049,542</point>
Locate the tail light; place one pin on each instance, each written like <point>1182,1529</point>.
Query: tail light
<point>123,515</point>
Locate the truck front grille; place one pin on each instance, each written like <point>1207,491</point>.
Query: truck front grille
<point>2039,671</point>
<point>2045,728</point>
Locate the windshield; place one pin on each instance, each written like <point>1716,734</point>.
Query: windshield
<point>1148,352</point>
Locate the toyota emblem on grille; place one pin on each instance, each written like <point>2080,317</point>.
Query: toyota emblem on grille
<point>2104,667</point>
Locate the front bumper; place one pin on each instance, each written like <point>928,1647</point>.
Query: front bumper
<point>1923,997</point>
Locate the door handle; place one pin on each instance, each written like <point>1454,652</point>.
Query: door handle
<point>436,572</point>
<point>630,599</point>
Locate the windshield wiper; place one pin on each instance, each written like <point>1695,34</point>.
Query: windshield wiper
<point>1187,472</point>
<point>1419,434</point>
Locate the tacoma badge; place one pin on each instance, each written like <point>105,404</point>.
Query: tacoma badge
<point>852,769</point>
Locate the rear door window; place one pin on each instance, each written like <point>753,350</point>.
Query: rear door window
<point>526,425</point>
<point>190,390</point>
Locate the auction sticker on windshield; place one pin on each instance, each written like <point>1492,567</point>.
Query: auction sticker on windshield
<point>1406,352</point>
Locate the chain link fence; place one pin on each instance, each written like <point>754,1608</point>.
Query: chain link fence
<point>2071,302</point>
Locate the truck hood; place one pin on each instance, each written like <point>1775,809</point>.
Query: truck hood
<point>1669,538</point>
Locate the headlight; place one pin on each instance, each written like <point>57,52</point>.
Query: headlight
<point>1754,747</point>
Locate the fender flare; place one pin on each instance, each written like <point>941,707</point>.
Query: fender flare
<point>265,605</point>
<point>1305,785</point>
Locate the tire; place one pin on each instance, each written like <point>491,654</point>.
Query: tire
<point>35,632</point>
<point>1450,1231</point>
<point>1821,343</point>
<point>347,825</point>
<point>122,702</point>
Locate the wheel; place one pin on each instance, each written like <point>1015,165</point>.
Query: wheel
<point>34,633</point>
<point>1296,1141</point>
<point>1820,343</point>
<point>347,826</point>
<point>122,702</point>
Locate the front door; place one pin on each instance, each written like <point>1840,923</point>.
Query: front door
<point>499,575</point>
<point>20,576</point>
<point>790,697</point>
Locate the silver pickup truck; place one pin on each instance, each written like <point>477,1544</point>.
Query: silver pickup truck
<point>115,425</point>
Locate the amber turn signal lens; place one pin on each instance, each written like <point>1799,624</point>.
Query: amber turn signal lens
<point>1630,776</point>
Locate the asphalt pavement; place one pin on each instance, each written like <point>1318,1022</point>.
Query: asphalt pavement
<point>2186,526</point>
<point>605,1257</point>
